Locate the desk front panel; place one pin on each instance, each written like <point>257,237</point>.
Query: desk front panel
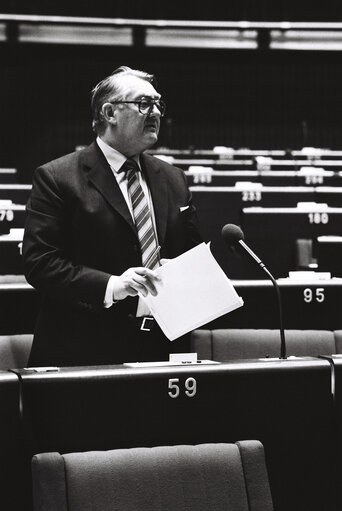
<point>306,305</point>
<point>19,304</point>
<point>11,262</point>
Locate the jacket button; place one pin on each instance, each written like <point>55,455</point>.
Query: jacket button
<point>130,316</point>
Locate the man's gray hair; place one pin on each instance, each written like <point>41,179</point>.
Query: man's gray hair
<point>108,90</point>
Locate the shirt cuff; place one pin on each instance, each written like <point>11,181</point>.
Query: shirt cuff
<point>108,298</point>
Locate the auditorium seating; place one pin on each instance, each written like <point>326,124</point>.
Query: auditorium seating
<point>248,333</point>
<point>181,477</point>
<point>281,98</point>
<point>230,344</point>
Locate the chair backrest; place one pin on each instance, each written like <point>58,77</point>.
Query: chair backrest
<point>338,341</point>
<point>182,477</point>
<point>229,344</point>
<point>15,350</point>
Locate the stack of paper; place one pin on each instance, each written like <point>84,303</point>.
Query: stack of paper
<point>193,291</point>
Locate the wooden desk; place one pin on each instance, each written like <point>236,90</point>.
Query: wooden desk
<point>272,232</point>
<point>217,206</point>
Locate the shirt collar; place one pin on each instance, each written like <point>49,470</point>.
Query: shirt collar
<point>114,158</point>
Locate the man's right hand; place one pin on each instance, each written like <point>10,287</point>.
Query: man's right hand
<point>134,281</point>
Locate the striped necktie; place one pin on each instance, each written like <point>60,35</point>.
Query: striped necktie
<point>142,215</point>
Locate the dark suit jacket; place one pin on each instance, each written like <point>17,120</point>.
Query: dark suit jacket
<point>79,231</point>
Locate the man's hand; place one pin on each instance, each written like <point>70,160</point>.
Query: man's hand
<point>133,281</point>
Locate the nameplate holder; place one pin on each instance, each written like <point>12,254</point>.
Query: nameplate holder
<point>183,358</point>
<point>49,369</point>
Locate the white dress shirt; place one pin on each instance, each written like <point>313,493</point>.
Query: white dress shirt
<point>115,161</point>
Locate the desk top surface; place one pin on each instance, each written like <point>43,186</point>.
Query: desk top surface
<point>142,370</point>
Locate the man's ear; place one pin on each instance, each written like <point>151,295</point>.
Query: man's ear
<point>108,112</point>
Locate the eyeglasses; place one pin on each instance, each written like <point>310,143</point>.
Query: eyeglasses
<point>146,105</point>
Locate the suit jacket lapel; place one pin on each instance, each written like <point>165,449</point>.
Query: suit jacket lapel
<point>158,186</point>
<point>101,176</point>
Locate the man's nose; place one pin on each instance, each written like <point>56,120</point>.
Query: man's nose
<point>154,109</point>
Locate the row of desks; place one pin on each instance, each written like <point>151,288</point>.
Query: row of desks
<point>307,304</point>
<point>235,184</point>
<point>293,406</point>
<point>219,152</point>
<point>272,219</point>
<point>254,163</point>
<point>265,214</point>
<point>234,181</point>
<point>200,175</point>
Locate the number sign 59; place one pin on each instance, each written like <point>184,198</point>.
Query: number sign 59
<point>190,386</point>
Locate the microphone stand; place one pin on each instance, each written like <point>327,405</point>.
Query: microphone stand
<point>275,284</point>
<point>282,333</point>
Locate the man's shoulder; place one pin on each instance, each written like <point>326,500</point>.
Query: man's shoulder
<point>66,159</point>
<point>70,161</point>
<point>61,161</point>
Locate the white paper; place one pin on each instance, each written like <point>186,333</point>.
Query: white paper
<point>193,291</point>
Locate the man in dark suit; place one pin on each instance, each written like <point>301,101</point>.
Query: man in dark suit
<point>82,245</point>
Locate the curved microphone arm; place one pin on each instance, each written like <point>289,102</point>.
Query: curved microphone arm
<point>275,284</point>
<point>232,234</point>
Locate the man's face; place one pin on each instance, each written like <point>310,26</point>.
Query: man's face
<point>134,131</point>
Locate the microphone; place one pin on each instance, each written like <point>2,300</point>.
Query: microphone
<point>232,235</point>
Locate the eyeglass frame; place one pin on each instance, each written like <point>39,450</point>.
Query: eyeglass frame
<point>153,102</point>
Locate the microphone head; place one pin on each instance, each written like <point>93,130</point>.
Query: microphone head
<point>232,234</point>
